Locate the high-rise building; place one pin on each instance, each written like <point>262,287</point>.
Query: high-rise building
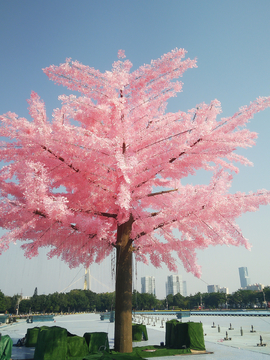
<point>217,288</point>
<point>184,288</point>
<point>244,278</point>
<point>175,285</point>
<point>224,290</point>
<point>212,288</point>
<point>255,287</point>
<point>148,285</point>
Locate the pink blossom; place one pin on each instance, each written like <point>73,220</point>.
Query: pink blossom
<point>121,54</point>
<point>112,154</point>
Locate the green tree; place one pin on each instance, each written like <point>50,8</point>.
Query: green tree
<point>53,303</point>
<point>195,300</point>
<point>77,300</point>
<point>179,301</point>
<point>169,301</point>
<point>25,305</point>
<point>62,302</point>
<point>236,300</point>
<point>91,299</point>
<point>148,301</point>
<point>106,302</point>
<point>2,302</point>
<point>214,300</point>
<point>135,300</point>
<point>14,303</point>
<point>160,304</point>
<point>9,307</point>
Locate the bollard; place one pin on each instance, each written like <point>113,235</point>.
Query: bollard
<point>261,342</point>
<point>252,329</point>
<point>161,324</point>
<point>227,338</point>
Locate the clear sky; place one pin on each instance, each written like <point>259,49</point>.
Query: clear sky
<point>231,41</point>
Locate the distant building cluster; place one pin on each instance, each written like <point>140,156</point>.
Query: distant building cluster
<point>216,288</point>
<point>174,285</point>
<point>245,283</point>
<point>255,287</point>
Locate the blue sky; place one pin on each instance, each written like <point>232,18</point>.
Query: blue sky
<point>231,41</point>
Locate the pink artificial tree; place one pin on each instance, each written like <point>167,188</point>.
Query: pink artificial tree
<point>119,159</point>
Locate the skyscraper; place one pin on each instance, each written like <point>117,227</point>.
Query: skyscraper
<point>174,285</point>
<point>212,289</point>
<point>148,285</point>
<point>244,279</point>
<point>184,288</point>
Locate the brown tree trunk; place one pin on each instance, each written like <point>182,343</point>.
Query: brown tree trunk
<point>123,289</point>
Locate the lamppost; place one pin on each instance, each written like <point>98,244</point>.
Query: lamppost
<point>264,301</point>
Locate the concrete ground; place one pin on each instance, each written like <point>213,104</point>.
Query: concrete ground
<point>238,348</point>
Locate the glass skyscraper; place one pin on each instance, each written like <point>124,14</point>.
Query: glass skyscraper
<point>175,285</point>
<point>244,278</point>
<point>148,285</point>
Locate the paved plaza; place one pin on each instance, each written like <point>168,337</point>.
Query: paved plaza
<point>239,347</point>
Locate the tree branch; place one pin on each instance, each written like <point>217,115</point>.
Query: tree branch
<point>70,165</point>
<point>105,214</point>
<point>167,138</point>
<point>161,225</point>
<point>162,192</point>
<point>60,158</point>
<point>184,152</point>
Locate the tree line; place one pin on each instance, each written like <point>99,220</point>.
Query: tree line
<point>241,299</point>
<point>89,301</point>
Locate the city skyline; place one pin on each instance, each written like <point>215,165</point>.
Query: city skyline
<point>86,279</point>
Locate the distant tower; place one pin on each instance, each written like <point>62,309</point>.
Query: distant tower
<point>148,285</point>
<point>184,288</point>
<point>244,279</point>
<point>174,285</point>
<point>87,280</point>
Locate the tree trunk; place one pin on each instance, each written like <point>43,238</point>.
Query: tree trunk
<point>123,289</point>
